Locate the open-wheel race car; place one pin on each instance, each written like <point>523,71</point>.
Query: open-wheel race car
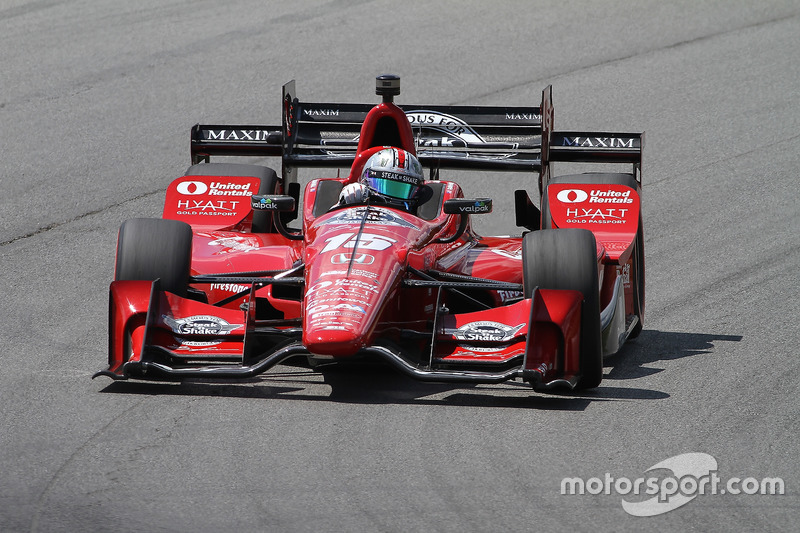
<point>223,287</point>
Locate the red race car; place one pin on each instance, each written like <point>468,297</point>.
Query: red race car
<point>385,264</point>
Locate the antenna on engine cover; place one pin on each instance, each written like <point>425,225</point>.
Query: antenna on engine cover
<point>387,86</point>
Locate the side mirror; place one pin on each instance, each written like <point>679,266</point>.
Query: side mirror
<point>464,206</point>
<point>277,204</point>
<point>270,202</point>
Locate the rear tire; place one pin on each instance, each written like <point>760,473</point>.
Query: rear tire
<point>566,259</point>
<point>637,270</point>
<point>155,248</point>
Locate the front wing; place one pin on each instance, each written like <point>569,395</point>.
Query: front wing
<point>156,335</point>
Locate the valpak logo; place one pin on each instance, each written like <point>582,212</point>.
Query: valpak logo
<point>671,484</point>
<point>477,207</point>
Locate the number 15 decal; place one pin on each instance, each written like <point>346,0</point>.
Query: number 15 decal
<point>367,241</point>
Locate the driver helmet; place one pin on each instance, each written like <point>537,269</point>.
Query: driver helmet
<point>393,174</point>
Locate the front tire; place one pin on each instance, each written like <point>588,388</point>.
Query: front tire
<point>155,248</point>
<point>566,259</point>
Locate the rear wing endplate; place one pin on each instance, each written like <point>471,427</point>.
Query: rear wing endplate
<point>598,147</point>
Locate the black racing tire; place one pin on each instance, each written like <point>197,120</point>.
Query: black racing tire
<point>566,259</point>
<point>638,270</point>
<point>262,220</point>
<point>155,248</point>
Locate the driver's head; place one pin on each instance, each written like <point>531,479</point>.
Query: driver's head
<point>393,174</point>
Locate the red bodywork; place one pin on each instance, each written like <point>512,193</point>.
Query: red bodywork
<point>372,282</point>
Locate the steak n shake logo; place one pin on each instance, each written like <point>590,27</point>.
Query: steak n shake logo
<point>455,131</point>
<point>486,331</point>
<point>436,129</point>
<point>200,325</point>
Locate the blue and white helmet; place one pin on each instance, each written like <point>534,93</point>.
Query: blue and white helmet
<point>393,174</point>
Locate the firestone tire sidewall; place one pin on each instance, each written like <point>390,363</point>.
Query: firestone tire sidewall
<point>566,259</point>
<point>154,248</point>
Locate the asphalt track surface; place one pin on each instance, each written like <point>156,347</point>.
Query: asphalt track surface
<point>96,102</point>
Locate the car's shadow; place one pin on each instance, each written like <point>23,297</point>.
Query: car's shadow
<point>381,385</point>
<point>653,346</point>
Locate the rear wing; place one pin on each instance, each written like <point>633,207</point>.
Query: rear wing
<point>314,134</point>
<point>598,147</point>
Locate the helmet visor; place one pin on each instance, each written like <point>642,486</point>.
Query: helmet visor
<point>392,184</point>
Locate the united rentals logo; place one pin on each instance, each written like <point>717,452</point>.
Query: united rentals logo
<point>572,196</point>
<point>595,196</point>
<point>197,188</point>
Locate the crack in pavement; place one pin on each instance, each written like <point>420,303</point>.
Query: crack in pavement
<point>40,503</point>
<point>55,225</point>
